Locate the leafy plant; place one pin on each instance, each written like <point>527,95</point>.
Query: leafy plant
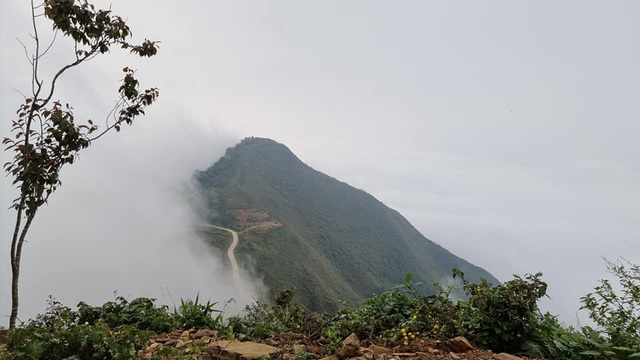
<point>260,320</point>
<point>334,339</point>
<point>616,311</point>
<point>501,317</point>
<point>63,333</point>
<point>193,314</point>
<point>46,136</point>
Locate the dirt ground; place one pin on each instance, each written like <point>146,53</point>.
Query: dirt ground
<point>292,346</point>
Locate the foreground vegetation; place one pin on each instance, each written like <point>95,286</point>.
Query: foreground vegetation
<point>501,318</point>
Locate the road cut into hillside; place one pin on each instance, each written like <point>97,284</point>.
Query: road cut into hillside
<point>235,270</point>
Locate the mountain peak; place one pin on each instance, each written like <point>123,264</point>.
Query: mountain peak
<point>304,228</point>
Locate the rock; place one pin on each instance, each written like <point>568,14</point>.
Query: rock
<point>350,347</point>
<point>505,356</point>
<point>454,356</point>
<point>204,333</point>
<point>236,350</point>
<point>162,338</point>
<point>331,357</point>
<point>379,350</point>
<point>153,347</point>
<point>459,344</point>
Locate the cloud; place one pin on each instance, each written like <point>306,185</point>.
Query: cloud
<point>122,222</point>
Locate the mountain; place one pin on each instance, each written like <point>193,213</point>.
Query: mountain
<point>301,227</point>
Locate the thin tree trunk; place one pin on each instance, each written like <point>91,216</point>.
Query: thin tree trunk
<point>16,254</point>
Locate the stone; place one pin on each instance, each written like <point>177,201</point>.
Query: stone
<point>505,356</point>
<point>369,355</point>
<point>379,350</point>
<point>236,350</point>
<point>454,356</point>
<point>350,347</point>
<point>162,339</point>
<point>331,357</point>
<point>153,347</point>
<point>459,344</point>
<point>204,333</point>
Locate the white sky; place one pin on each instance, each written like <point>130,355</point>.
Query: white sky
<point>505,131</point>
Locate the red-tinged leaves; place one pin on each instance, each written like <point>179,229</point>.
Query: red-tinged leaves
<point>46,136</point>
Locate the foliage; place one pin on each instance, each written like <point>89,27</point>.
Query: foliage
<point>617,313</point>
<point>119,328</point>
<point>260,320</point>
<point>613,309</point>
<point>193,314</point>
<point>46,134</point>
<point>400,314</point>
<point>377,316</point>
<point>140,313</point>
<point>501,317</point>
<point>115,330</point>
<point>61,333</point>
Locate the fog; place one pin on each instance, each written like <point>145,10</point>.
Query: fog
<point>504,131</point>
<point>121,222</point>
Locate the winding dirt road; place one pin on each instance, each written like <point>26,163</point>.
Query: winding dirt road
<point>235,270</point>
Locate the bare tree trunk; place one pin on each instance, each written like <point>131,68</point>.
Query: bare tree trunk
<point>16,254</point>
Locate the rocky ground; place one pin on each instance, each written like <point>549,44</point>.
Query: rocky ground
<point>205,344</point>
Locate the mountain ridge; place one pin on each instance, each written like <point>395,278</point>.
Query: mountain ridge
<point>335,243</point>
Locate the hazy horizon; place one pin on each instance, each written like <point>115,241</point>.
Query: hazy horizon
<point>504,131</point>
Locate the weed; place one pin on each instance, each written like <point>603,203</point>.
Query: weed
<point>193,314</point>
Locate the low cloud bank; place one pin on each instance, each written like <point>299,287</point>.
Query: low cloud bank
<point>121,222</point>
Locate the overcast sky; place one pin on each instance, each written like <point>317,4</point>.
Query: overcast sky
<point>505,131</point>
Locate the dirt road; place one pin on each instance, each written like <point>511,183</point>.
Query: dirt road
<point>235,270</point>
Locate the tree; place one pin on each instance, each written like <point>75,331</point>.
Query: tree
<point>46,136</point>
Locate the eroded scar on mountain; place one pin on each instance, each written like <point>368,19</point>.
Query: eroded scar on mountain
<point>254,221</point>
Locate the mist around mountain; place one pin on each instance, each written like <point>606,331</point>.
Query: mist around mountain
<point>297,226</point>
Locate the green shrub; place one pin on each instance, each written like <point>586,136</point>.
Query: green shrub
<point>617,313</point>
<point>401,314</point>
<point>193,314</point>
<point>59,334</point>
<point>141,313</point>
<point>260,320</point>
<point>502,317</point>
<point>615,309</point>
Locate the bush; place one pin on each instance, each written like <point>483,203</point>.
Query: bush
<point>140,313</point>
<point>503,317</point>
<point>616,313</point>
<point>61,333</point>
<point>115,330</point>
<point>260,320</point>
<point>193,314</point>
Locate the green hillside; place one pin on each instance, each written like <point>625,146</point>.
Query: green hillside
<point>304,228</point>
